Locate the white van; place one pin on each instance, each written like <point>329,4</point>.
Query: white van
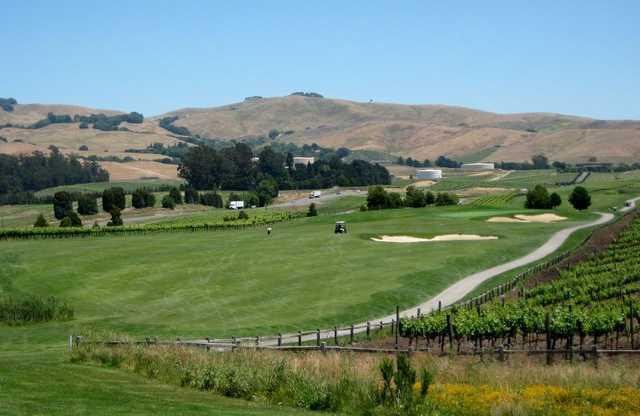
<point>236,204</point>
<point>315,194</point>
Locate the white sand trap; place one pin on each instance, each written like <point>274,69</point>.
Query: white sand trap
<point>544,218</point>
<point>445,237</point>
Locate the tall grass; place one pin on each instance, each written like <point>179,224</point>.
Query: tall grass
<point>17,311</point>
<point>369,384</point>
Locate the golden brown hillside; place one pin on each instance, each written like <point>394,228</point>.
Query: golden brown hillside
<point>420,131</point>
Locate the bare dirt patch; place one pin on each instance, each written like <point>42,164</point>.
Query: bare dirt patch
<point>543,218</point>
<point>423,184</point>
<point>140,169</point>
<point>444,237</point>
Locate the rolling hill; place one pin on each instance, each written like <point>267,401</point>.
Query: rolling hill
<point>419,131</point>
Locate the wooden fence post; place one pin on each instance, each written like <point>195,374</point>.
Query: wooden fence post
<point>335,335</point>
<point>548,335</point>
<point>279,340</point>
<point>439,305</point>
<point>318,337</point>
<point>368,330</point>
<point>351,335</point>
<point>397,324</point>
<point>418,313</point>
<point>299,338</point>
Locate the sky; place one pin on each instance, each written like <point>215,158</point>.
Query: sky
<point>572,57</point>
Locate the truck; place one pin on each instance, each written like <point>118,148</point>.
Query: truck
<point>236,204</point>
<point>315,194</point>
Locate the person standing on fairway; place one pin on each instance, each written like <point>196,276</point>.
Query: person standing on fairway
<point>268,230</point>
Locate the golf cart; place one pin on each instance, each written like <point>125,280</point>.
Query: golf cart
<point>341,227</point>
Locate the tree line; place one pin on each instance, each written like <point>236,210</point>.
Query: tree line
<point>235,168</point>
<point>379,198</point>
<point>39,171</point>
<point>99,121</point>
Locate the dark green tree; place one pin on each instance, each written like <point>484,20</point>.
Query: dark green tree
<point>74,218</point>
<point>580,198</point>
<point>87,204</point>
<point>191,196</point>
<point>313,211</point>
<point>211,199</point>
<point>40,222</point>
<point>65,222</point>
<point>176,195</point>
<point>555,200</point>
<point>62,203</point>
<point>113,197</point>
<point>415,198</point>
<point>445,198</point>
<point>116,217</point>
<point>429,198</point>
<point>137,199</point>
<point>149,199</point>
<point>540,162</point>
<point>376,198</point>
<point>538,198</point>
<point>168,202</point>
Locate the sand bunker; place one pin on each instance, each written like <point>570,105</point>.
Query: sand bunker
<point>544,218</point>
<point>445,237</point>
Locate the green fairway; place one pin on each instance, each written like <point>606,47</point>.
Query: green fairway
<point>241,283</point>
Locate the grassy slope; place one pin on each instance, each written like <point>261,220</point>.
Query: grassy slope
<point>37,378</point>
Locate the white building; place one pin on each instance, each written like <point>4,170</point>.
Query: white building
<point>478,166</point>
<point>430,174</point>
<point>299,160</point>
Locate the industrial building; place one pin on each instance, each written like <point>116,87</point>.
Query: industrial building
<point>478,166</point>
<point>430,174</point>
<point>299,160</point>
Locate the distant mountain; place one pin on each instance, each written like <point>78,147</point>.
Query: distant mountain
<point>419,131</point>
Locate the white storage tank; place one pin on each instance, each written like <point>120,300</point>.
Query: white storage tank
<point>478,166</point>
<point>429,174</point>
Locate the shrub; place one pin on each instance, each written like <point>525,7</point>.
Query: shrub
<point>84,147</point>
<point>87,204</point>
<point>168,202</point>
<point>74,219</point>
<point>243,215</point>
<point>41,221</point>
<point>429,198</point>
<point>313,212</point>
<point>176,195</point>
<point>65,222</point>
<point>62,203</point>
<point>27,309</point>
<point>580,198</point>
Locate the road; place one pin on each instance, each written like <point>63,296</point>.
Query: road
<point>325,197</point>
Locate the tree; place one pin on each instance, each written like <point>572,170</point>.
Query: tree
<point>394,200</point>
<point>266,191</point>
<point>66,222</point>
<point>376,198</point>
<point>313,212</point>
<point>445,198</point>
<point>415,198</point>
<point>62,203</point>
<point>429,198</point>
<point>137,199</point>
<point>243,215</point>
<point>538,198</point>
<point>540,161</point>
<point>112,198</point>
<point>212,199</point>
<point>191,196</point>
<point>149,199</point>
<point>168,202</point>
<point>116,217</point>
<point>40,222</point>
<point>74,218</point>
<point>555,200</point>
<point>87,204</point>
<point>176,195</point>
<point>580,198</point>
